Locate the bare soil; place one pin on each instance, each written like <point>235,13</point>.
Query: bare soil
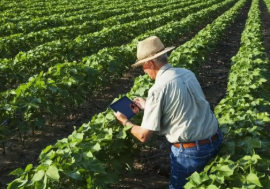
<point>265,17</point>
<point>152,167</point>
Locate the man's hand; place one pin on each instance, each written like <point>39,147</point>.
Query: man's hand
<point>140,102</point>
<point>134,108</point>
<point>140,133</point>
<point>120,117</point>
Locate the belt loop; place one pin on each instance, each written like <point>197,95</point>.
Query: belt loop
<point>210,139</point>
<point>218,130</point>
<point>181,147</point>
<point>197,144</point>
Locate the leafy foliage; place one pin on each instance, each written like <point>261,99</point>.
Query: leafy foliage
<point>51,53</point>
<point>64,86</point>
<point>243,114</point>
<point>87,157</point>
<point>70,25</point>
<point>96,153</point>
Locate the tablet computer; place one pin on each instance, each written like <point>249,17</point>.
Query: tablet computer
<point>125,106</point>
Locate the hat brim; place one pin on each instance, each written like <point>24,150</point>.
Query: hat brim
<point>140,62</point>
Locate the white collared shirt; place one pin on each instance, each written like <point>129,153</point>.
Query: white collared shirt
<point>177,108</point>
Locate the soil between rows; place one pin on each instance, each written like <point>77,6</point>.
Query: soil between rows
<point>265,17</point>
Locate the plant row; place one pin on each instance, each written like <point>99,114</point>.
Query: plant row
<point>30,4</point>
<point>99,62</point>
<point>192,53</point>
<point>27,15</point>
<point>64,13</point>
<point>93,155</point>
<point>47,55</point>
<point>12,45</point>
<point>18,7</point>
<point>67,19</point>
<point>16,15</point>
<point>15,8</point>
<point>267,2</point>
<point>243,115</point>
<point>21,14</point>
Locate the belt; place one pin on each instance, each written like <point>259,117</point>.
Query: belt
<point>193,144</point>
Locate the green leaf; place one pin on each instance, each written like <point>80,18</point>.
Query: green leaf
<point>196,178</point>
<point>40,185</point>
<point>45,181</point>
<point>74,175</point>
<point>88,154</point>
<point>94,165</point>
<point>225,170</point>
<point>251,143</point>
<point>95,147</point>
<point>262,80</point>
<point>253,86</point>
<point>12,92</point>
<point>22,183</point>
<point>212,187</point>
<point>252,178</point>
<point>15,184</point>
<point>18,172</point>
<point>127,127</point>
<point>110,116</point>
<point>78,136</point>
<point>28,167</point>
<point>255,158</point>
<point>47,149</point>
<point>52,172</point>
<point>50,155</point>
<point>189,185</point>
<point>263,116</point>
<point>47,162</point>
<point>122,134</point>
<point>38,176</point>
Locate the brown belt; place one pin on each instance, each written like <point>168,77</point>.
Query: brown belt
<point>193,144</point>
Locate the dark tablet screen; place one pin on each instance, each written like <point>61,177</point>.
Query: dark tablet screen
<point>123,105</point>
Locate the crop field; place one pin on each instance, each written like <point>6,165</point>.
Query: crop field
<point>62,63</point>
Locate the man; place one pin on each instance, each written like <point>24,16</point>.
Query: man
<point>177,108</point>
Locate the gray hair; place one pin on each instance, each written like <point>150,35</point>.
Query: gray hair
<point>162,59</point>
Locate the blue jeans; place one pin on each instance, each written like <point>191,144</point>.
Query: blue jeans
<point>185,161</point>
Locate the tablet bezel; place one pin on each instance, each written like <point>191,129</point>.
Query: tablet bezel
<point>119,100</point>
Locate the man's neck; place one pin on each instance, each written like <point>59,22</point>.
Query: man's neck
<point>157,68</point>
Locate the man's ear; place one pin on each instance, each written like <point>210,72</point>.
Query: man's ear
<point>151,64</point>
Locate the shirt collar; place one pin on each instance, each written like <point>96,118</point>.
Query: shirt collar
<point>162,70</point>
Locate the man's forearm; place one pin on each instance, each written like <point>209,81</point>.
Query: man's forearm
<point>140,133</point>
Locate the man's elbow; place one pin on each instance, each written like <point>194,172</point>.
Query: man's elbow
<point>144,139</point>
<point>142,134</point>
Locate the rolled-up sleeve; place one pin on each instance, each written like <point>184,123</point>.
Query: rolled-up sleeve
<point>153,111</point>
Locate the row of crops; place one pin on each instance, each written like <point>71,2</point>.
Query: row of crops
<point>243,115</point>
<point>48,54</point>
<point>69,69</point>
<point>64,86</point>
<point>69,30</point>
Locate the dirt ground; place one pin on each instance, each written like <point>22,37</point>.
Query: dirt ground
<point>151,168</point>
<point>265,17</point>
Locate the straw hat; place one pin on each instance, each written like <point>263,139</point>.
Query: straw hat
<point>149,49</point>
